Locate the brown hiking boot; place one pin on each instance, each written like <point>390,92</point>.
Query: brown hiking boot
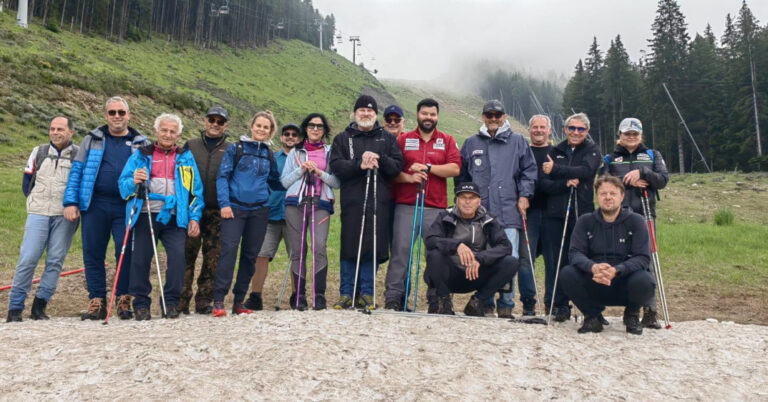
<point>124,307</point>
<point>97,310</point>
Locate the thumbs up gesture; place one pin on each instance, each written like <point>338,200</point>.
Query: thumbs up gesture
<point>548,165</point>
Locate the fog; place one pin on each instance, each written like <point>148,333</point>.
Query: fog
<point>444,40</point>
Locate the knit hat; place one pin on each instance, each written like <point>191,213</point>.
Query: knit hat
<point>366,101</point>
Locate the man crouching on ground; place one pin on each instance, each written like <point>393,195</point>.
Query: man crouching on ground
<point>467,250</point>
<point>609,258</point>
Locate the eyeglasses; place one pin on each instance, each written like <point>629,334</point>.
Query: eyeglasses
<point>117,112</point>
<point>393,120</point>
<point>290,134</point>
<point>214,120</point>
<point>493,115</point>
<point>576,129</point>
<point>313,126</point>
<point>631,134</point>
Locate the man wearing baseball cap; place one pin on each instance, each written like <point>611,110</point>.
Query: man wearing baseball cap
<point>502,164</point>
<point>467,250</point>
<point>207,149</point>
<point>394,120</point>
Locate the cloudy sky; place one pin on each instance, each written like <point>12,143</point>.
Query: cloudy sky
<point>439,39</point>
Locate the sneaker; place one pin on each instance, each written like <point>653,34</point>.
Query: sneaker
<point>320,303</point>
<point>475,308</point>
<point>203,309</point>
<point>632,321</point>
<point>142,314</point>
<point>344,303</point>
<point>394,305</point>
<point>591,324</point>
<point>445,305</point>
<point>649,319</point>
<point>366,301</point>
<point>302,302</point>
<point>218,309</point>
<point>124,307</point>
<point>14,316</point>
<point>96,309</point>
<point>239,308</point>
<point>562,313</point>
<point>38,309</point>
<point>503,311</point>
<point>254,302</point>
<point>171,312</point>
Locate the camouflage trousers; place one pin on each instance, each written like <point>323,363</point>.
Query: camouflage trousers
<point>210,231</point>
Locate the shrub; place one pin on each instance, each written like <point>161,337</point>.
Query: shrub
<point>723,217</point>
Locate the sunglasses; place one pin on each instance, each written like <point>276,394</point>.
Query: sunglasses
<point>291,134</point>
<point>117,112</point>
<point>313,126</point>
<point>214,120</point>
<point>575,129</point>
<point>393,119</point>
<point>493,115</point>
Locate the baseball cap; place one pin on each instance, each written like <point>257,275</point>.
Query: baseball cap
<point>218,111</point>
<point>493,105</point>
<point>630,124</point>
<point>393,109</point>
<point>467,187</point>
<point>290,125</point>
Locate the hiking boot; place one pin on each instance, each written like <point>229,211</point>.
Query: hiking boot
<point>475,308</point>
<point>184,310</point>
<point>529,309</point>
<point>38,309</point>
<point>239,308</point>
<point>602,320</point>
<point>649,319</point>
<point>171,312</point>
<point>96,310</point>
<point>14,316</point>
<point>344,303</point>
<point>302,305</point>
<point>142,314</point>
<point>124,307</point>
<point>204,309</point>
<point>632,321</point>
<point>394,305</point>
<point>503,311</point>
<point>254,302</point>
<point>218,309</point>
<point>320,303</point>
<point>445,305</point>
<point>488,310</point>
<point>591,324</point>
<point>562,313</point>
<point>432,305</point>
<point>366,302</point>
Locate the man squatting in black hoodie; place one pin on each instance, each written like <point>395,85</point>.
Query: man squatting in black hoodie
<point>609,260</point>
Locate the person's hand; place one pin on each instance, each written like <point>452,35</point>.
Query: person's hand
<point>193,229</point>
<point>522,205</point>
<point>473,270</point>
<point>548,165</point>
<point>417,177</point>
<point>226,213</point>
<point>418,167</point>
<point>572,183</point>
<point>603,273</point>
<point>640,183</point>
<point>139,176</point>
<point>370,160</point>
<point>71,213</point>
<point>466,256</point>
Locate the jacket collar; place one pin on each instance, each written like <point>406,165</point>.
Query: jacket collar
<point>354,131</point>
<point>620,150</point>
<point>481,216</point>
<point>219,142</point>
<point>502,133</point>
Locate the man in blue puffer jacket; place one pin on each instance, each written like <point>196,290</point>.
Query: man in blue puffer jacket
<point>92,190</point>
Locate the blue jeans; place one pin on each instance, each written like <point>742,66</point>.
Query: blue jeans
<point>104,217</point>
<point>41,232</point>
<point>536,237</point>
<point>365,276</point>
<point>507,298</point>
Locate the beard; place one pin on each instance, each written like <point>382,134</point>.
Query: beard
<point>365,123</point>
<point>427,129</point>
<point>611,211</point>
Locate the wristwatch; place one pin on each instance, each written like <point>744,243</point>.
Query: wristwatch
<point>429,167</point>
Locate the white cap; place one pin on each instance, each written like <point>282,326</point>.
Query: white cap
<point>630,124</point>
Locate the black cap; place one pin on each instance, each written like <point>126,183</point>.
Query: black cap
<point>366,101</point>
<point>467,187</point>
<point>290,125</point>
<point>493,105</point>
<point>218,111</point>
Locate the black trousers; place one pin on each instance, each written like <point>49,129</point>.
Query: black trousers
<point>553,235</point>
<point>247,229</point>
<point>633,290</point>
<point>445,277</point>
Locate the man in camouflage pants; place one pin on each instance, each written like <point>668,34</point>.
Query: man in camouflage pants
<point>208,149</point>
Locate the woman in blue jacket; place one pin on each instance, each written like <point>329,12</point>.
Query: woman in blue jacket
<point>247,173</point>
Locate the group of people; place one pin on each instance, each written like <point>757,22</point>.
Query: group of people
<point>223,196</point>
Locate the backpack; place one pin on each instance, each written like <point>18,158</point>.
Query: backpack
<point>42,153</point>
<point>239,155</point>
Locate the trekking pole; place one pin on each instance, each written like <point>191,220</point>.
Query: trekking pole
<point>282,289</point>
<point>154,248</point>
<point>655,258</point>
<point>362,227</point>
<point>560,256</point>
<point>410,252</point>
<point>120,260</point>
<point>375,261</point>
<point>302,239</point>
<point>312,233</point>
<point>418,249</point>
<point>531,259</point>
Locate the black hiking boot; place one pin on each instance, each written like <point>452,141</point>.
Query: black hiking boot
<point>124,307</point>
<point>632,320</point>
<point>254,302</point>
<point>504,311</point>
<point>142,314</point>
<point>13,316</point>
<point>38,309</point>
<point>445,305</point>
<point>97,310</point>
<point>602,320</point>
<point>591,324</point>
<point>302,302</point>
<point>171,312</point>
<point>562,313</point>
<point>394,305</point>
<point>208,309</point>
<point>475,308</point>
<point>320,303</point>
<point>649,319</point>
<point>432,305</point>
<point>529,308</point>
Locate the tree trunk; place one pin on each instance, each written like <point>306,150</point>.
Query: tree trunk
<point>112,24</point>
<point>681,153</point>
<point>199,23</point>
<point>123,22</point>
<point>63,12</point>
<point>45,12</point>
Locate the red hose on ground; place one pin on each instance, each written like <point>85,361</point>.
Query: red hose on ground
<point>72,272</point>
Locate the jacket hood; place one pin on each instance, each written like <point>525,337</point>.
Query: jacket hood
<point>624,214</point>
<point>245,138</point>
<point>504,128</point>
<point>148,149</point>
<point>354,130</point>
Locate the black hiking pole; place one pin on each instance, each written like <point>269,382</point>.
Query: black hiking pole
<point>655,258</point>
<point>560,256</point>
<point>362,228</point>
<point>120,260</point>
<point>410,250</point>
<point>154,248</point>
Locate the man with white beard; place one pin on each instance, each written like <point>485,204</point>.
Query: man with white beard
<point>363,146</point>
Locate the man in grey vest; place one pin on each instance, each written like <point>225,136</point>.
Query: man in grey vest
<point>45,179</point>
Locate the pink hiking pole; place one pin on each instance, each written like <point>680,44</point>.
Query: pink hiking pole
<point>312,232</point>
<point>302,239</point>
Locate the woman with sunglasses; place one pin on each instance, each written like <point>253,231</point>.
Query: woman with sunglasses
<point>310,182</point>
<point>643,172</point>
<point>247,173</point>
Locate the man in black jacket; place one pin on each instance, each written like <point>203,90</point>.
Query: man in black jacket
<point>610,256</point>
<point>571,166</point>
<point>361,148</point>
<point>467,250</point>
